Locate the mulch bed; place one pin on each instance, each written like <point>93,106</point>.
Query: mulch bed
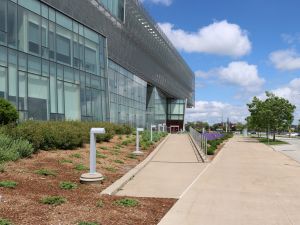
<point>22,204</point>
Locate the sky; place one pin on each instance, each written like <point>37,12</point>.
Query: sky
<point>237,49</point>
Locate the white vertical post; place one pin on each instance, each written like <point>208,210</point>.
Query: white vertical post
<point>93,176</point>
<point>164,126</point>
<point>151,132</point>
<point>137,148</point>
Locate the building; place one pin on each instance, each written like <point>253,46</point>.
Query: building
<point>103,60</point>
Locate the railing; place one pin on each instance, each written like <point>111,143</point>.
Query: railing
<point>200,140</point>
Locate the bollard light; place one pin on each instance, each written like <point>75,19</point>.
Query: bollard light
<point>151,132</point>
<point>137,150</point>
<point>93,176</point>
<point>159,126</point>
<point>164,125</point>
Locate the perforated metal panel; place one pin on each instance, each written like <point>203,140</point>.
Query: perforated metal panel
<point>137,44</point>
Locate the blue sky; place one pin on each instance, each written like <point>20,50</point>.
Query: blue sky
<point>237,49</point>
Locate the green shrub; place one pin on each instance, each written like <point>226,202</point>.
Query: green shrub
<point>126,142</point>
<point>2,167</point>
<point>131,156</point>
<point>100,204</point>
<point>100,155</point>
<point>66,161</point>
<point>118,161</point>
<point>8,113</point>
<point>45,172</point>
<point>110,169</point>
<point>126,202</point>
<point>80,167</point>
<point>53,200</point>
<point>104,148</point>
<point>66,185</point>
<point>88,223</point>
<point>5,222</point>
<point>8,184</point>
<point>76,155</point>
<point>12,150</point>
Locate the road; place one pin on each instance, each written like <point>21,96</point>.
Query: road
<point>292,149</point>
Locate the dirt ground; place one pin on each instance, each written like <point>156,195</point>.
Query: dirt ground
<point>22,205</point>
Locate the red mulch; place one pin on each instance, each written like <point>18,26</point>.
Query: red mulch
<point>22,206</point>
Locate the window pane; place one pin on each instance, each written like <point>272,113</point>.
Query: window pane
<point>32,5</point>
<point>34,33</point>
<point>22,61</point>
<point>34,64</point>
<point>53,91</point>
<point>3,79</point>
<point>60,97</point>
<point>63,45</point>
<point>3,56</point>
<point>22,91</point>
<point>72,101</point>
<point>38,99</point>
<point>12,25</point>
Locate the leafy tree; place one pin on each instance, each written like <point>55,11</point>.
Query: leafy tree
<point>274,113</point>
<point>8,113</point>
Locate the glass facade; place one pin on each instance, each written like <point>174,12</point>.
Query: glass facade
<point>115,7</point>
<point>176,109</point>
<point>127,96</point>
<point>51,67</point>
<point>156,106</point>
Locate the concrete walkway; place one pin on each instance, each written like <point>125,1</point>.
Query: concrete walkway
<point>169,173</point>
<point>292,149</point>
<point>247,184</point>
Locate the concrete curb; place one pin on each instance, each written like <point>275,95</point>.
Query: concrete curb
<point>117,185</point>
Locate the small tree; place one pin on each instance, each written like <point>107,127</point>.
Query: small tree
<point>8,113</point>
<point>273,114</point>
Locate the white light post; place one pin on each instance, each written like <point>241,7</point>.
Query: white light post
<point>164,125</point>
<point>151,132</point>
<point>159,126</point>
<point>93,176</point>
<point>137,150</point>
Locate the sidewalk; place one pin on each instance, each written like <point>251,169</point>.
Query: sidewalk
<point>247,184</point>
<point>169,173</point>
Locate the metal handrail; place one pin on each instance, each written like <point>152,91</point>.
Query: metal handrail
<point>200,140</point>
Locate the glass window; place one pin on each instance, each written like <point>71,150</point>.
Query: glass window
<point>3,56</point>
<point>72,101</point>
<point>34,33</point>
<point>3,80</point>
<point>34,64</point>
<point>32,5</point>
<point>22,91</point>
<point>91,57</point>
<point>68,74</point>
<point>53,92</point>
<point>63,21</point>
<point>45,35</point>
<point>45,11</point>
<point>52,47</point>
<point>60,97</point>
<point>12,25</point>
<point>3,15</point>
<point>63,45</point>
<point>45,68</point>
<point>38,97</point>
<point>22,61</point>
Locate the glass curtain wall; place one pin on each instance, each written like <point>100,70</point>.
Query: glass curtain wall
<point>176,109</point>
<point>51,67</point>
<point>127,96</point>
<point>115,7</point>
<point>156,107</point>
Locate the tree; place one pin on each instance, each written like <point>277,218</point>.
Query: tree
<point>8,113</point>
<point>274,113</point>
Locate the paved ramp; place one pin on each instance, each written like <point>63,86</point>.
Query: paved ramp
<point>169,173</point>
<point>247,184</point>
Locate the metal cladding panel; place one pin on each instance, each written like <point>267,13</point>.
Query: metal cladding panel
<point>137,44</point>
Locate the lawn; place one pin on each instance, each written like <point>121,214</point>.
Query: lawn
<point>45,188</point>
<point>271,142</point>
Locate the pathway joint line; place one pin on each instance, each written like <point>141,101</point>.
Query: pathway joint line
<point>202,172</point>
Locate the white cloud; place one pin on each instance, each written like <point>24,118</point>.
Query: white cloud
<point>237,73</point>
<point>220,38</point>
<point>291,38</point>
<point>241,74</point>
<point>163,2</point>
<point>285,59</point>
<point>213,111</point>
